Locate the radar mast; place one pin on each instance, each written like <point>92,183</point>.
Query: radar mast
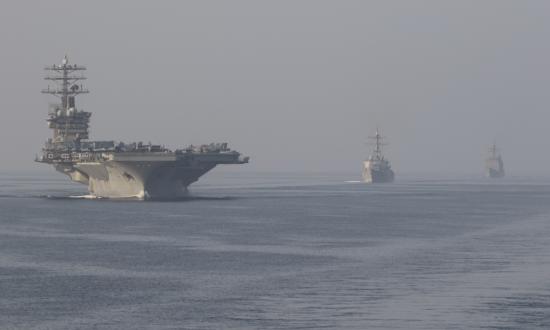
<point>378,143</point>
<point>493,150</point>
<point>65,77</point>
<point>69,124</point>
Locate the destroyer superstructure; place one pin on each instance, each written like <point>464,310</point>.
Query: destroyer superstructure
<point>119,170</point>
<point>377,169</point>
<point>494,166</point>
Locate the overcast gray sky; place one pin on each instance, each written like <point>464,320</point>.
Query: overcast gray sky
<point>297,85</point>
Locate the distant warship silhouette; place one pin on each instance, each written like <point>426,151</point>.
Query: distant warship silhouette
<point>377,169</point>
<point>494,167</point>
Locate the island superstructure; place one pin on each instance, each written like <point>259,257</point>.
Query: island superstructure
<point>115,169</point>
<point>494,167</point>
<point>377,169</point>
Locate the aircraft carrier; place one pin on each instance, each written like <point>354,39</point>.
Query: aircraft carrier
<point>119,170</point>
<point>377,169</point>
<point>494,166</point>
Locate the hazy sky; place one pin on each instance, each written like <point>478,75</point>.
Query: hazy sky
<point>297,85</point>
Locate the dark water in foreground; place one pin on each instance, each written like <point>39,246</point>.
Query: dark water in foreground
<point>277,252</point>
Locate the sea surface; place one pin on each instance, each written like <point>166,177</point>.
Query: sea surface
<point>278,251</point>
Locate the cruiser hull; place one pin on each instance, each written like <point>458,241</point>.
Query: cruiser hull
<point>495,173</point>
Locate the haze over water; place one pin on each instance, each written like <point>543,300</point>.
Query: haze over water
<point>278,251</point>
<point>296,85</point>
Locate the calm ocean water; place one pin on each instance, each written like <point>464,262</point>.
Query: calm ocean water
<point>277,251</point>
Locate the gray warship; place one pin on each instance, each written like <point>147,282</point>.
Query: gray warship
<point>494,167</point>
<point>119,170</point>
<point>377,169</point>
